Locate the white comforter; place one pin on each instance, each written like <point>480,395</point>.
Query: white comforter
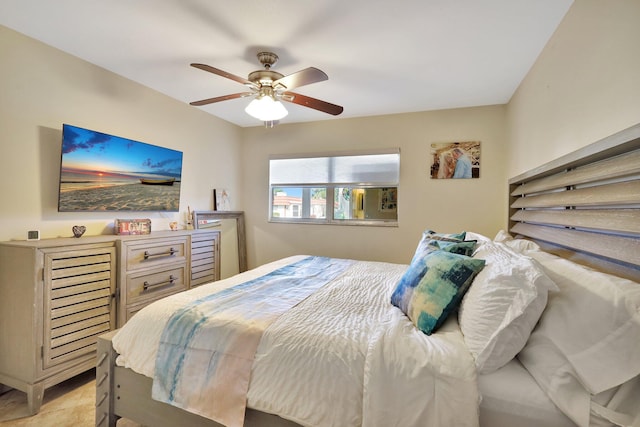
<point>343,357</point>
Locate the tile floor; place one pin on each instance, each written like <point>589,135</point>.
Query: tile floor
<point>70,403</point>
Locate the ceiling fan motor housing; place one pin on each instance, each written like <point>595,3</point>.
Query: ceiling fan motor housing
<point>264,77</point>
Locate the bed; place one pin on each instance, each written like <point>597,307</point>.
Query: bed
<point>362,347</point>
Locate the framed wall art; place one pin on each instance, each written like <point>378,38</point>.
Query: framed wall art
<point>388,201</point>
<point>455,160</point>
<point>221,200</point>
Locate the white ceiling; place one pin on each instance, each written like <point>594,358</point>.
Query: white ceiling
<point>382,57</point>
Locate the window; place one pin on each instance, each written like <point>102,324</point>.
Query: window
<point>351,188</point>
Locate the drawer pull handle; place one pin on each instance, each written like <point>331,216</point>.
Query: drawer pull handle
<point>171,281</point>
<point>170,252</point>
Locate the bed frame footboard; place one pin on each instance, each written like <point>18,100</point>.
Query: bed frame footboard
<point>105,364</point>
<point>122,393</point>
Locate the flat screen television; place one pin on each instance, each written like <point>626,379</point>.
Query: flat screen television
<point>101,172</point>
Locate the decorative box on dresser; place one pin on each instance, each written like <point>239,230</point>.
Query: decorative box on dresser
<point>58,295</point>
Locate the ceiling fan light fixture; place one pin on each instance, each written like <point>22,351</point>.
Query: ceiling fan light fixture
<point>270,88</point>
<point>266,109</point>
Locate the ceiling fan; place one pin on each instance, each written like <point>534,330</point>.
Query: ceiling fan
<point>270,87</point>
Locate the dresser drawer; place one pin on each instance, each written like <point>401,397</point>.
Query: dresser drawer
<point>155,252</point>
<point>147,286</point>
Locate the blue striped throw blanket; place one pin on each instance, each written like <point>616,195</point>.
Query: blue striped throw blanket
<point>207,348</point>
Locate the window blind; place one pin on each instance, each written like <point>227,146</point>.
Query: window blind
<point>380,169</point>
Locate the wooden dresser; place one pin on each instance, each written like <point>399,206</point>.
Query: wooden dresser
<point>155,266</point>
<point>58,295</point>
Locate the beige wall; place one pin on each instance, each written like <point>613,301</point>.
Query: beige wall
<point>584,86</point>
<point>43,87</point>
<point>445,205</point>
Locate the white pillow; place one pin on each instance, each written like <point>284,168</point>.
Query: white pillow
<point>502,306</point>
<point>588,339</point>
<point>480,238</point>
<point>519,245</point>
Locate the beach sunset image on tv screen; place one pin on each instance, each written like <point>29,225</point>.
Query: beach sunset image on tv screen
<point>101,172</point>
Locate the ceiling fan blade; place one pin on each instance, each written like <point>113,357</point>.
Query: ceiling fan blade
<point>221,73</point>
<point>301,78</point>
<point>220,98</point>
<point>316,104</point>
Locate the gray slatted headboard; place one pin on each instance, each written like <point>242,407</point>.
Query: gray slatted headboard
<point>585,205</point>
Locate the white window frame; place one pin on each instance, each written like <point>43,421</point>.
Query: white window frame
<point>391,179</point>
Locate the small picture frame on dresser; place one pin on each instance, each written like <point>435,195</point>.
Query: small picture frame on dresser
<point>132,226</point>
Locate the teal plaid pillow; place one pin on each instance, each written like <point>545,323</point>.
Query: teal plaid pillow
<point>450,237</point>
<point>433,286</point>
<point>461,248</point>
<point>429,244</point>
